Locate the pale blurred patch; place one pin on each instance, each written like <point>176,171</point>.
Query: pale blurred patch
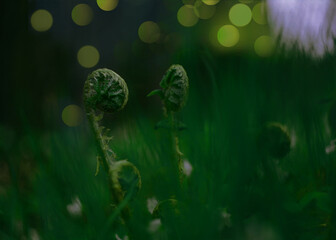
<point>75,207</point>
<point>33,234</point>
<point>154,225</point>
<point>308,25</point>
<point>187,168</point>
<point>257,230</point>
<point>151,204</point>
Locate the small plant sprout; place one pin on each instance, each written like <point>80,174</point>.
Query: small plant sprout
<point>106,92</point>
<point>175,86</point>
<point>173,93</point>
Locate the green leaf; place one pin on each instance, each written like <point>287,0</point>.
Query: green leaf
<point>156,92</point>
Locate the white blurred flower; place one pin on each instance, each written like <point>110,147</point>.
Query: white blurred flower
<point>309,25</point>
<point>154,225</point>
<point>33,234</point>
<point>331,147</point>
<point>187,168</point>
<point>226,218</point>
<point>75,207</point>
<point>256,230</point>
<point>118,238</point>
<point>151,204</point>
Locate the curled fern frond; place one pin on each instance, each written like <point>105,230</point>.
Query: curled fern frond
<point>105,90</point>
<point>125,179</point>
<point>175,87</point>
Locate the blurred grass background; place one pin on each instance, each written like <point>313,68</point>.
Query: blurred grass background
<point>48,187</point>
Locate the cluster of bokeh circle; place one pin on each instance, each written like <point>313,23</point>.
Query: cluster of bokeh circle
<point>188,15</point>
<point>240,15</point>
<point>88,56</point>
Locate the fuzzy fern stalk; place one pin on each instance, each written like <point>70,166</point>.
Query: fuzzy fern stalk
<point>173,93</point>
<point>106,92</point>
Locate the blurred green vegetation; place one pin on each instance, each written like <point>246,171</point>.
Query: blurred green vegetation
<point>47,168</point>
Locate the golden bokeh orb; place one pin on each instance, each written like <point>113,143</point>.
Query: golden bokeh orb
<point>210,2</point>
<point>107,5</point>
<point>88,56</point>
<point>149,32</point>
<point>41,20</point>
<point>258,13</point>
<point>72,115</point>
<point>186,16</point>
<point>204,11</point>
<point>82,14</point>
<point>188,2</point>
<point>228,36</point>
<point>240,14</point>
<point>264,46</point>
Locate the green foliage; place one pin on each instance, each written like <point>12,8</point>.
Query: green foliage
<point>238,189</point>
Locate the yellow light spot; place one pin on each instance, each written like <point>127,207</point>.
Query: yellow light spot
<point>245,1</point>
<point>88,56</point>
<point>240,15</point>
<point>258,13</point>
<point>149,32</point>
<point>210,2</point>
<point>228,36</point>
<point>188,2</point>
<point>264,46</point>
<point>72,115</point>
<point>41,20</point>
<point>107,5</point>
<point>82,14</point>
<point>204,11</point>
<point>186,16</point>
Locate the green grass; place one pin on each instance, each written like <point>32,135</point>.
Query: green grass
<point>229,102</point>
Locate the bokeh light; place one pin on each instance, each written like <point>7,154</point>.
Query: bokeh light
<point>204,11</point>
<point>240,15</point>
<point>149,32</point>
<point>228,36</point>
<point>210,2</point>
<point>107,5</point>
<point>88,56</point>
<point>41,20</point>
<point>82,14</point>
<point>188,2</point>
<point>186,16</point>
<point>72,115</point>
<point>264,46</point>
<point>258,13</point>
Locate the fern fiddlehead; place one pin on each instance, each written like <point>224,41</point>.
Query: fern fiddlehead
<point>174,93</point>
<point>106,92</point>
